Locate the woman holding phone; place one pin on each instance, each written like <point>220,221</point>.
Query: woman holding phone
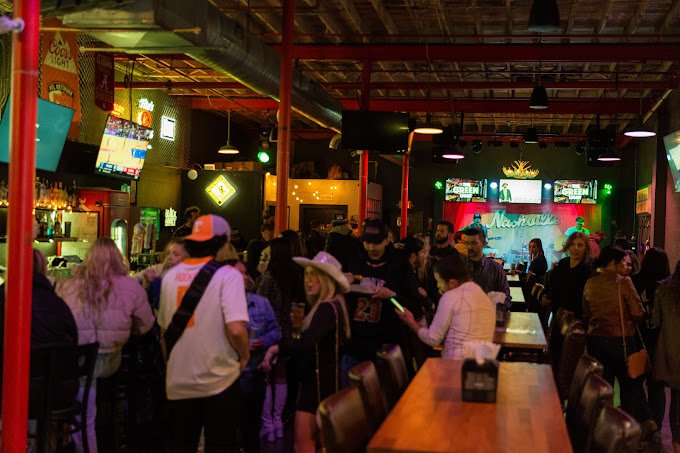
<point>316,355</point>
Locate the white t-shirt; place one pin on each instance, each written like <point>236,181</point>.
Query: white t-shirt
<point>203,362</point>
<point>464,314</point>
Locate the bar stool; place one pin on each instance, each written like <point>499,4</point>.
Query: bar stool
<point>343,422</point>
<point>392,371</point>
<point>586,366</point>
<point>364,376</point>
<point>573,346</point>
<point>596,394</point>
<point>615,432</point>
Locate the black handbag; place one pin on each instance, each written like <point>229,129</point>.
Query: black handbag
<point>189,302</point>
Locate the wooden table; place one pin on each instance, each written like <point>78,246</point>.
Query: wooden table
<point>431,417</point>
<point>522,330</point>
<point>513,280</point>
<point>517,295</point>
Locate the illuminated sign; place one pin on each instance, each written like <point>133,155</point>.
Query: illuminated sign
<point>145,104</point>
<point>220,190</point>
<point>118,110</point>
<point>170,218</point>
<point>458,189</point>
<point>575,191</point>
<point>144,118</point>
<point>168,128</point>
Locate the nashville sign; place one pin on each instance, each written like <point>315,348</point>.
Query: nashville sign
<point>523,220</point>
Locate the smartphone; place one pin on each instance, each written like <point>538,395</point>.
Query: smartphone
<point>397,304</point>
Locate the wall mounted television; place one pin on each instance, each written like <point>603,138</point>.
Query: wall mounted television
<point>575,191</point>
<point>123,148</point>
<point>672,144</point>
<point>385,132</point>
<point>520,191</point>
<point>458,189</point>
<point>53,122</point>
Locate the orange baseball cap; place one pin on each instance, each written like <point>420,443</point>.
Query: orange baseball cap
<point>207,227</point>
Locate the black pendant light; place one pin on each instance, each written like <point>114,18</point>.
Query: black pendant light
<point>539,98</point>
<point>531,136</point>
<point>544,16</point>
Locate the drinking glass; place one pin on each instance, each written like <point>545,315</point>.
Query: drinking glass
<point>297,317</point>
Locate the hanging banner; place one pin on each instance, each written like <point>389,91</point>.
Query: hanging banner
<point>103,81</point>
<point>60,74</point>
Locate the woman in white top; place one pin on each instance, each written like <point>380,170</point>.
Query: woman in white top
<point>465,313</point>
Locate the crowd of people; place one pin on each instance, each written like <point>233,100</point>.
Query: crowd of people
<point>253,344</point>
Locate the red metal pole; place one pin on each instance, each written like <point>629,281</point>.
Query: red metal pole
<point>404,188</point>
<point>363,166</point>
<point>285,88</point>
<point>16,366</point>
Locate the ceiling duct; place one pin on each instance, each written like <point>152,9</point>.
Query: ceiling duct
<point>199,30</point>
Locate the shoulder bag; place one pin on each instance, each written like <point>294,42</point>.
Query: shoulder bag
<point>189,302</point>
<point>337,356</point>
<point>636,363</point>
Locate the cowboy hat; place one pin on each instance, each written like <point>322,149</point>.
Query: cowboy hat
<point>326,263</point>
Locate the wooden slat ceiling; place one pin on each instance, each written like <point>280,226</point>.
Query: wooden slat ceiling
<point>453,84</point>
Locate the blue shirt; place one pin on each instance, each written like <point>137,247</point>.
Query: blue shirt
<point>262,325</point>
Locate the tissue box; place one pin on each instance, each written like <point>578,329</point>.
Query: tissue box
<point>479,381</point>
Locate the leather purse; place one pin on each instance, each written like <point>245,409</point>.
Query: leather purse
<point>637,362</point>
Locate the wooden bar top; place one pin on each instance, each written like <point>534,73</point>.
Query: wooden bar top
<point>431,416</point>
<point>523,330</point>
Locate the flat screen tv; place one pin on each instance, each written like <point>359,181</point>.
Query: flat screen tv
<point>575,191</point>
<point>458,189</point>
<point>385,132</point>
<point>53,122</point>
<point>123,148</point>
<point>520,191</point>
<point>672,144</point>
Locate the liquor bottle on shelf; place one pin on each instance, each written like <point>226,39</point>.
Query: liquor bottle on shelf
<point>3,193</point>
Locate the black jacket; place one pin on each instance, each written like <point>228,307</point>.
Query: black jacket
<point>52,323</point>
<point>344,246</point>
<point>566,284</point>
<point>315,243</point>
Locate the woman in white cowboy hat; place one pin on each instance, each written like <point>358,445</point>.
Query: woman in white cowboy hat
<point>317,353</point>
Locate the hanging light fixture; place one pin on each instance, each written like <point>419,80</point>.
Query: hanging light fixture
<point>429,127</point>
<point>531,135</point>
<point>544,16</point>
<point>609,156</point>
<point>539,97</point>
<point>638,128</point>
<point>228,148</point>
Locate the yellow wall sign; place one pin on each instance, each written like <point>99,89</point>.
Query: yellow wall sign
<point>220,190</point>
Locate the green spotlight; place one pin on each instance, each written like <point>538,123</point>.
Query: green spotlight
<point>438,185</point>
<point>263,156</point>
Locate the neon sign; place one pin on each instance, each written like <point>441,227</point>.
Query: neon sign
<point>220,190</point>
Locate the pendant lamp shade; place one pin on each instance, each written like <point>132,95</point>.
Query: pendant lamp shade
<point>429,128</point>
<point>531,136</point>
<point>228,148</point>
<point>539,98</point>
<point>638,130</point>
<point>609,157</point>
<point>544,16</point>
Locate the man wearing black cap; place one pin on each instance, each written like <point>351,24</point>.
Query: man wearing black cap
<point>381,274</point>
<point>577,228</point>
<point>341,243</point>
<point>477,224</point>
<point>442,247</point>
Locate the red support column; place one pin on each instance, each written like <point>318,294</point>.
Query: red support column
<point>363,166</point>
<point>404,195</point>
<point>285,88</point>
<point>25,64</point>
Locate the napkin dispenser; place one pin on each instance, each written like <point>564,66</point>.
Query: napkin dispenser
<point>479,380</point>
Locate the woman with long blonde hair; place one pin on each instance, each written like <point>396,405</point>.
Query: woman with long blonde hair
<point>316,355</point>
<point>108,305</point>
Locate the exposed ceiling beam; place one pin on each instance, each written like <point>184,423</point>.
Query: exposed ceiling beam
<point>489,52</point>
<point>557,106</point>
<point>486,85</point>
